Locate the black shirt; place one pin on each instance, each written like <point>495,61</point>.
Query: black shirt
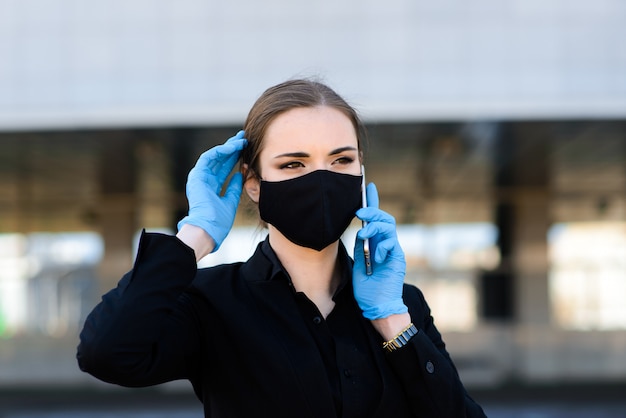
<point>251,346</point>
<point>342,341</point>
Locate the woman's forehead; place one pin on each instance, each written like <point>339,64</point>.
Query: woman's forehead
<point>317,127</point>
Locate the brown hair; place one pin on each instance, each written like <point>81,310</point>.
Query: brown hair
<point>281,98</point>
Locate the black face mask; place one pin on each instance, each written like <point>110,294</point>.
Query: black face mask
<point>311,210</point>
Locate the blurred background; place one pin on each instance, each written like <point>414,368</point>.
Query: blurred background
<point>497,138</point>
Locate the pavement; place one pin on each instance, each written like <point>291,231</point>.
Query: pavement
<point>550,401</point>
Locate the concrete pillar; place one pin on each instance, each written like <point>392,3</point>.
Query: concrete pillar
<point>531,202</point>
<point>155,197</point>
<point>522,216</point>
<point>523,188</point>
<point>530,258</point>
<point>116,212</point>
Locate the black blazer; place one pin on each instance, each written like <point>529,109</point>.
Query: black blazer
<point>239,338</point>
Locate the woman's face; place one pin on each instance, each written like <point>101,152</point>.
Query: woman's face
<point>306,139</point>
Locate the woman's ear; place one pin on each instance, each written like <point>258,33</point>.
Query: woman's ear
<point>251,184</point>
<point>252,187</point>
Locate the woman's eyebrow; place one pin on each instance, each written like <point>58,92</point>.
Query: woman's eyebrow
<point>293,154</point>
<point>342,149</point>
<point>301,154</point>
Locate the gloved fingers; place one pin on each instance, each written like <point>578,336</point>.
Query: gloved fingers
<point>220,154</point>
<point>377,228</point>
<point>222,172</point>
<point>384,248</point>
<point>233,191</point>
<point>200,174</point>
<point>232,146</point>
<point>371,214</point>
<point>238,135</point>
<point>214,156</point>
<point>381,251</point>
<point>217,163</point>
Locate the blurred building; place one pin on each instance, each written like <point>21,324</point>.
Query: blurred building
<point>497,140</point>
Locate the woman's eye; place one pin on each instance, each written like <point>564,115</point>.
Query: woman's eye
<point>344,160</point>
<point>292,164</point>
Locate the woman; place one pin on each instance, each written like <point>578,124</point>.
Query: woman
<point>298,330</point>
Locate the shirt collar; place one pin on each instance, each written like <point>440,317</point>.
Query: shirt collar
<point>277,268</point>
<point>278,271</point>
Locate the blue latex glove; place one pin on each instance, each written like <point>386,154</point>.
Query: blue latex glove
<point>209,210</point>
<point>378,295</point>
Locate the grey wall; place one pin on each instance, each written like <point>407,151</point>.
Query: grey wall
<point>69,63</point>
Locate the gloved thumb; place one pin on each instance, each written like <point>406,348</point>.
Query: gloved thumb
<point>233,191</point>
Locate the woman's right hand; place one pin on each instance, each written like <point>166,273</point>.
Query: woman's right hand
<point>208,209</point>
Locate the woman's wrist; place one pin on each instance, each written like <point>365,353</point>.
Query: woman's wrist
<point>390,326</point>
<point>197,239</point>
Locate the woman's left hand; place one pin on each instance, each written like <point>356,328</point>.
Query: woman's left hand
<point>208,208</point>
<point>379,295</point>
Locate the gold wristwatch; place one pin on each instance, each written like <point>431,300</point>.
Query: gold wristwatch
<point>401,339</point>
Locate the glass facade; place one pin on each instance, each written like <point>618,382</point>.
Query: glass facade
<point>73,203</point>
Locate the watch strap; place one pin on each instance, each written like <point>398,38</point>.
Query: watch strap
<point>401,339</point>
